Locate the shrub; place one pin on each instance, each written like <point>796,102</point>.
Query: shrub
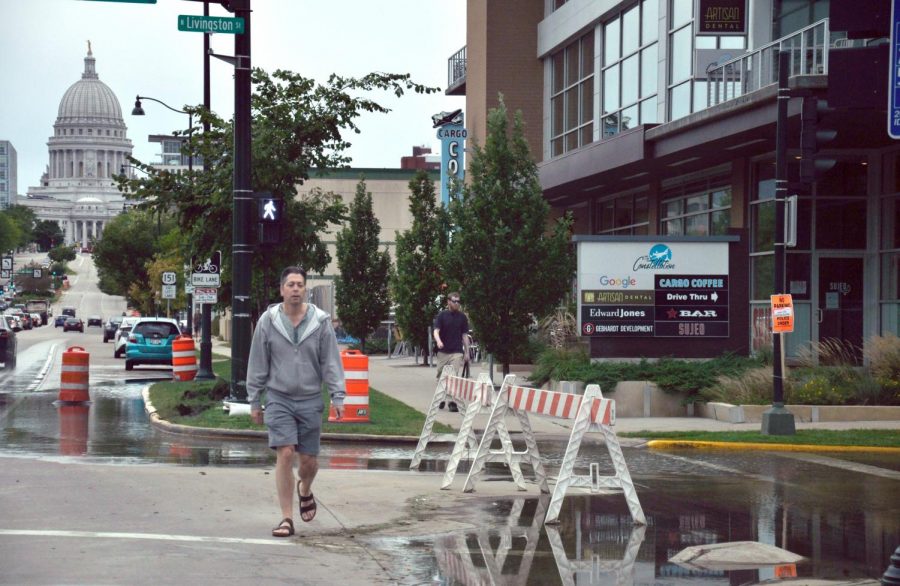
<point>753,387</point>
<point>883,356</point>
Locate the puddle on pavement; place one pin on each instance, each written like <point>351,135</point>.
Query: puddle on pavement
<point>596,543</point>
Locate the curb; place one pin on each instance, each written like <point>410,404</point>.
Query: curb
<point>261,435</point>
<point>669,444</point>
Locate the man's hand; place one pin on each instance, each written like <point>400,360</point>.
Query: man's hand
<point>256,416</point>
<point>338,412</point>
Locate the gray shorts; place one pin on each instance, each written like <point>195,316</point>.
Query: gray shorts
<point>456,360</point>
<point>297,424</point>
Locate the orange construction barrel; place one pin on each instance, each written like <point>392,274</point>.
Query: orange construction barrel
<point>73,383</point>
<point>356,375</point>
<point>73,429</point>
<point>184,358</point>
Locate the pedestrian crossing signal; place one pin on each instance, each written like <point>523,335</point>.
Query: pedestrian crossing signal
<point>270,210</point>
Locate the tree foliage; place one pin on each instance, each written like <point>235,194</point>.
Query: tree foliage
<point>298,126</point>
<point>129,243</point>
<point>512,267</point>
<point>24,220</point>
<point>417,282</point>
<point>10,233</point>
<point>361,291</point>
<point>47,234</point>
<point>59,254</point>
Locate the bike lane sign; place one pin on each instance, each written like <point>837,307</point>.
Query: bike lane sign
<point>205,272</point>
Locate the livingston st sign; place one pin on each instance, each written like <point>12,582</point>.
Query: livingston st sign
<point>651,288</point>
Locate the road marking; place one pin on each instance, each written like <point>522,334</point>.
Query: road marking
<point>152,536</point>
<point>843,465</point>
<point>39,379</point>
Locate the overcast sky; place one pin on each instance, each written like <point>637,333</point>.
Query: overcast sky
<point>139,50</point>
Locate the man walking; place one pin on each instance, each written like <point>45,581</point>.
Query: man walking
<point>293,352</point>
<point>451,334</point>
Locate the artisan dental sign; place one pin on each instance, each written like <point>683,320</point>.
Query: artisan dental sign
<point>652,288</point>
<point>721,17</point>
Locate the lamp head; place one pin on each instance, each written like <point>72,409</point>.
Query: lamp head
<point>137,110</point>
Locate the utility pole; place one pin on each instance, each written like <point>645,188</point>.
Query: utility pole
<point>778,420</point>
<point>241,250</point>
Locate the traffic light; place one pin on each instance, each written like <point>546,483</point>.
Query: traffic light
<point>812,137</point>
<point>270,210</point>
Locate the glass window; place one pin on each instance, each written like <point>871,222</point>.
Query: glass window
<point>763,268</point>
<point>841,223</point>
<point>890,223</point>
<point>624,214</point>
<point>680,58</point>
<point>630,63</point>
<point>572,102</point>
<point>763,225</point>
<point>682,12</point>
<point>680,101</point>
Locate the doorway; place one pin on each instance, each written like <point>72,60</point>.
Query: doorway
<point>840,303</point>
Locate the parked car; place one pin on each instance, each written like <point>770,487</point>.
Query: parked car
<point>60,320</point>
<point>27,324</point>
<point>73,323</point>
<point>36,320</point>
<point>7,344</point>
<point>150,342</point>
<point>110,327</point>
<point>95,320</point>
<point>13,322</point>
<point>122,335</point>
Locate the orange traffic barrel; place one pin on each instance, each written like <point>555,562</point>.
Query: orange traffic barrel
<point>184,358</point>
<point>73,383</point>
<point>356,375</point>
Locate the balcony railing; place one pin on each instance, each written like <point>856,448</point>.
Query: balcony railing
<point>751,71</point>
<point>456,68</point>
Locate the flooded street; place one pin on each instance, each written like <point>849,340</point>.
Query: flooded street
<point>839,511</point>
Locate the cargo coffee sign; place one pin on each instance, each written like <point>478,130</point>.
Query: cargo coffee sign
<point>721,17</point>
<point>647,289</point>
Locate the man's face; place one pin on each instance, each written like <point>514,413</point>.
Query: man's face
<point>453,303</point>
<point>293,290</point>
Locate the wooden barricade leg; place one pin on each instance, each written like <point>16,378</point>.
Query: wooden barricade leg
<point>496,425</point>
<point>621,479</point>
<point>532,455</point>
<point>466,438</point>
<point>440,392</point>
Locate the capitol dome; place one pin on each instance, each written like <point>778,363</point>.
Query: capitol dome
<point>89,100</point>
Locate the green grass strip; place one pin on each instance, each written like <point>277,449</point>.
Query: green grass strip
<point>887,438</point>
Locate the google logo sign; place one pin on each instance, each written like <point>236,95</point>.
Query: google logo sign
<point>624,282</point>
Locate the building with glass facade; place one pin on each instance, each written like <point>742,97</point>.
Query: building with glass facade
<point>8,168</point>
<point>654,122</point>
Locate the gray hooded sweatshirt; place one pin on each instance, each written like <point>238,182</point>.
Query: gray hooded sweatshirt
<point>294,372</point>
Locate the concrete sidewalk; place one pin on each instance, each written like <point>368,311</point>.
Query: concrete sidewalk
<point>414,384</point>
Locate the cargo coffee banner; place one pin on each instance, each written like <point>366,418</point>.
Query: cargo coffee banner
<point>653,289</point>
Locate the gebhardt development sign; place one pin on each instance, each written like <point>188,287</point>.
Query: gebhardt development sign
<point>651,288</point>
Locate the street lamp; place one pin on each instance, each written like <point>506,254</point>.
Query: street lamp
<point>138,110</point>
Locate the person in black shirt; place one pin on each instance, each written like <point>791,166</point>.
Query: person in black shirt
<point>451,329</point>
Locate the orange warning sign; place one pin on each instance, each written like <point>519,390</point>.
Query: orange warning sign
<point>782,314</point>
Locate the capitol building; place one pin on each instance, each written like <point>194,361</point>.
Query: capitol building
<point>88,147</point>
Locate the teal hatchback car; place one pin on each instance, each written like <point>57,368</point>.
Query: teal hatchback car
<point>150,342</point>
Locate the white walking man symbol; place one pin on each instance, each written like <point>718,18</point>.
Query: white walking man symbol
<point>269,211</point>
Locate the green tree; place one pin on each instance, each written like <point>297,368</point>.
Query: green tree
<point>416,285</point>
<point>47,234</point>
<point>361,291</point>
<point>511,265</point>
<point>298,126</point>
<point>61,254</point>
<point>10,233</point>
<point>25,220</point>
<point>129,243</point>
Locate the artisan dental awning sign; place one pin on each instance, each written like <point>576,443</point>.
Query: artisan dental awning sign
<point>653,289</point>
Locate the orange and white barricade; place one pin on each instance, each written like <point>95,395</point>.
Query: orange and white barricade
<point>450,388</point>
<point>590,412</point>
<point>356,384</point>
<point>184,358</point>
<point>75,375</point>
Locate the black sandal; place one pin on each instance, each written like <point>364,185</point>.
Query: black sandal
<point>287,524</point>
<point>308,508</point>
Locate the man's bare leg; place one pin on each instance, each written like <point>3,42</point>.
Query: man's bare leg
<point>309,466</point>
<point>284,479</point>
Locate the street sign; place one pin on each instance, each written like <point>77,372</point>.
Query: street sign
<point>168,292</point>
<point>7,263</point>
<point>894,73</point>
<point>169,278</point>
<point>206,295</point>
<point>205,280</point>
<point>188,289</point>
<point>212,264</point>
<point>210,24</point>
<point>782,314</point>
<point>5,273</point>
<point>37,274</point>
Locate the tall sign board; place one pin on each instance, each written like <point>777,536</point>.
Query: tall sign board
<point>655,289</point>
<point>894,73</point>
<point>452,133</point>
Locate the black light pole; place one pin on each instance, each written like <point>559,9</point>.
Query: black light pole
<point>204,369</point>
<point>139,111</point>
<point>778,420</point>
<point>242,202</point>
